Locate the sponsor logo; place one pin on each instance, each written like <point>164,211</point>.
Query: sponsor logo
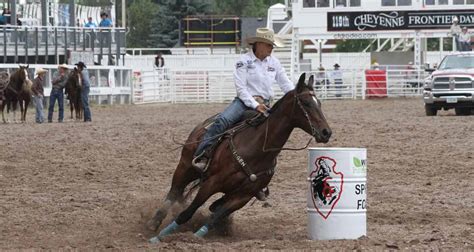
<point>326,185</point>
<point>359,165</point>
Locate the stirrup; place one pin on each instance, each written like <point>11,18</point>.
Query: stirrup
<point>200,163</point>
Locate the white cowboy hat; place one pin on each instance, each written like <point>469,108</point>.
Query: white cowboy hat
<point>63,66</point>
<point>266,35</point>
<point>40,71</point>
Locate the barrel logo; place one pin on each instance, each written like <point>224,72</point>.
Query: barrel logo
<point>326,185</point>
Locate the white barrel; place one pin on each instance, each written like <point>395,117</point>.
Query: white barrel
<point>337,193</point>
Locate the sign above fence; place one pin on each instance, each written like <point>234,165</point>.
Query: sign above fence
<point>397,20</point>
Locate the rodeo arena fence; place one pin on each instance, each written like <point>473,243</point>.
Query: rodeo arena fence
<point>205,86</point>
<point>190,79</point>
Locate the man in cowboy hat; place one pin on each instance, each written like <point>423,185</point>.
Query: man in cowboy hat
<point>336,76</point>
<point>254,75</point>
<point>465,40</point>
<point>86,85</point>
<point>38,93</point>
<point>58,84</point>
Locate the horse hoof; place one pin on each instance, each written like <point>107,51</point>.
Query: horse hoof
<point>152,225</point>
<point>154,240</point>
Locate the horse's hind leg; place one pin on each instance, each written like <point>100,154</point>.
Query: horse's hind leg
<point>222,210</point>
<point>205,191</point>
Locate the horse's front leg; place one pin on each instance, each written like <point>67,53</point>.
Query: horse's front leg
<point>183,175</point>
<point>205,191</point>
<point>230,205</point>
<point>71,107</point>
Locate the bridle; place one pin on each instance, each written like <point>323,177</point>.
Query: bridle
<point>314,132</point>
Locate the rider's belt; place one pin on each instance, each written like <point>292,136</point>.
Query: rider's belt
<point>261,100</point>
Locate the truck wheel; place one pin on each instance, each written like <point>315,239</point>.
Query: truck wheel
<point>430,110</point>
<point>462,111</point>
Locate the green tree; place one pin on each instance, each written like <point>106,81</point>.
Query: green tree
<point>165,26</point>
<point>352,45</point>
<point>140,15</point>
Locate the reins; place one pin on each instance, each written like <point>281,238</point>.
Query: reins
<point>314,132</point>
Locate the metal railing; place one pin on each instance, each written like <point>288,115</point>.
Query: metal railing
<point>37,44</point>
<point>207,86</point>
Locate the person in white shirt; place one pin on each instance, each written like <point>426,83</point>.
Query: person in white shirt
<point>455,31</point>
<point>254,75</point>
<point>465,40</point>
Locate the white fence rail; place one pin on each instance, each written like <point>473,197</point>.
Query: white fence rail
<point>204,86</point>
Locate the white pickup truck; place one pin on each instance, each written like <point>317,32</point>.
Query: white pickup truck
<point>451,85</point>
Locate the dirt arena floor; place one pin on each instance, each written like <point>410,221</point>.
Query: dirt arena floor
<point>93,185</point>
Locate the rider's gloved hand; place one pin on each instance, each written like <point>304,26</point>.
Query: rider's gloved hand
<point>261,108</point>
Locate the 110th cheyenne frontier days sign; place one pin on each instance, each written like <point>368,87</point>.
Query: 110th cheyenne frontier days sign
<point>397,20</point>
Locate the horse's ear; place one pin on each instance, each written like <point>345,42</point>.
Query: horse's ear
<point>301,84</point>
<point>311,81</point>
<point>27,66</point>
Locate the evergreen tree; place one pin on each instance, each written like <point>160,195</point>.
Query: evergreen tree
<point>140,15</point>
<point>165,26</point>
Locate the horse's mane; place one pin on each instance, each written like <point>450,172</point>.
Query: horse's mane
<point>280,101</point>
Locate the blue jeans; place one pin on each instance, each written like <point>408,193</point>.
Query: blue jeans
<point>224,120</point>
<point>85,103</point>
<point>38,100</point>
<point>56,95</point>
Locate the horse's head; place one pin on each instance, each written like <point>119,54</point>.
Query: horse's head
<point>23,72</point>
<point>308,114</point>
<point>18,78</point>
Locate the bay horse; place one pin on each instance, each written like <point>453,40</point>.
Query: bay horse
<point>244,161</point>
<point>14,91</point>
<point>73,90</point>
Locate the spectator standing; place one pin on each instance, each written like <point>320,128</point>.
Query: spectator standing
<point>465,40</point>
<point>336,76</point>
<point>455,31</point>
<point>411,77</point>
<point>159,61</point>
<point>86,85</point>
<point>6,16</point>
<point>38,93</point>
<point>105,34</point>
<point>321,81</point>
<point>90,23</point>
<point>58,84</point>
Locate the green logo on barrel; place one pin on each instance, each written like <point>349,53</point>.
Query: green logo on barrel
<point>360,165</point>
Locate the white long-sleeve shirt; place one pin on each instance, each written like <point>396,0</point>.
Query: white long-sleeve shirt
<point>255,77</point>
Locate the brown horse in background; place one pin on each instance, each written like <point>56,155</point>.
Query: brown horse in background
<point>15,90</point>
<point>73,91</point>
<point>243,163</point>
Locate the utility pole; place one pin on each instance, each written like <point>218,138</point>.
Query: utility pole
<point>124,15</point>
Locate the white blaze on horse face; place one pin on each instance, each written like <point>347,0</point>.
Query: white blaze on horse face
<point>26,74</point>
<point>316,100</point>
